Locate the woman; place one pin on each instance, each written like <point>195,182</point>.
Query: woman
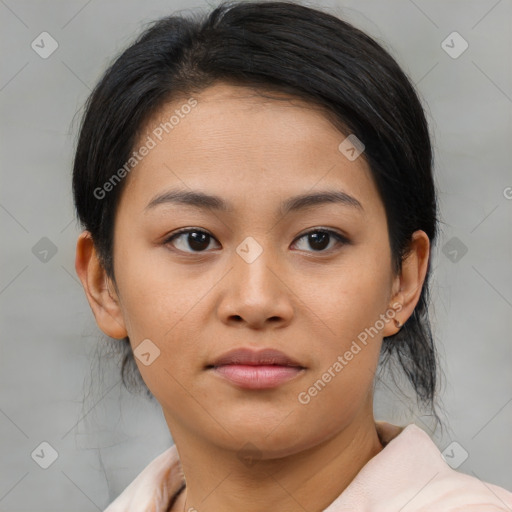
<point>259,210</point>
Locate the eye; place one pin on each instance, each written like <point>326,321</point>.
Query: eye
<point>196,239</point>
<point>319,239</point>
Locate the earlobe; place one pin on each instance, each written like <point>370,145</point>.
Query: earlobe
<point>396,314</point>
<point>409,282</point>
<point>103,301</point>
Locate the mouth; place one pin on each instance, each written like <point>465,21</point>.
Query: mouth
<point>249,369</point>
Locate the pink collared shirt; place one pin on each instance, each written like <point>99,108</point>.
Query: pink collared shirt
<point>408,475</point>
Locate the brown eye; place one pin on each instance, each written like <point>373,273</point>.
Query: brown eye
<point>193,240</point>
<point>190,240</point>
<point>319,239</point>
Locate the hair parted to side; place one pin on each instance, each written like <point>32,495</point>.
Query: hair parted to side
<point>282,47</point>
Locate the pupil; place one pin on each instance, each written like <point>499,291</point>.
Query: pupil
<point>318,240</point>
<point>196,240</point>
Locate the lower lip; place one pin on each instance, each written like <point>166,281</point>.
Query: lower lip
<point>257,377</point>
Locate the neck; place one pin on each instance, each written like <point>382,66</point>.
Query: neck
<point>309,480</point>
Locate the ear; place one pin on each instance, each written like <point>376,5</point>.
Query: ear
<point>408,283</point>
<point>98,288</point>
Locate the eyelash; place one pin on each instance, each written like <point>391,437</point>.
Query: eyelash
<point>340,239</point>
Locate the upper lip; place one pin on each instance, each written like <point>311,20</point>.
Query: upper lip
<point>245,356</point>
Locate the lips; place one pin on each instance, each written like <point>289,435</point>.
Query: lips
<point>265,357</point>
<point>262,369</point>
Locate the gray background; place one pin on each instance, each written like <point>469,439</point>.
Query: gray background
<point>49,336</point>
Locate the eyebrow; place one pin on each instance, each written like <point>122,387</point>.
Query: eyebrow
<point>206,201</point>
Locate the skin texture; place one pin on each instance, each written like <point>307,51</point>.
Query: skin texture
<point>311,304</point>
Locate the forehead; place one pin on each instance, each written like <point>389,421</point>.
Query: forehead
<point>241,142</point>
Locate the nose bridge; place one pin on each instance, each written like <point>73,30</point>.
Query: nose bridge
<point>255,293</point>
<point>253,264</point>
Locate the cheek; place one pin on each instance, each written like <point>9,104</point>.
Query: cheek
<point>153,294</point>
<point>350,305</point>
<point>162,303</point>
<point>348,351</point>
<point>351,297</point>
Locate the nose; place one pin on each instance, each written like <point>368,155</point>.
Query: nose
<point>255,294</point>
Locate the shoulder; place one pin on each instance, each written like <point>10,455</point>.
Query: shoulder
<point>452,491</point>
<point>411,475</point>
<point>154,486</point>
<point>455,491</point>
<point>438,487</point>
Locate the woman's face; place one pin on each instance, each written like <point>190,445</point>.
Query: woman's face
<point>250,277</point>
